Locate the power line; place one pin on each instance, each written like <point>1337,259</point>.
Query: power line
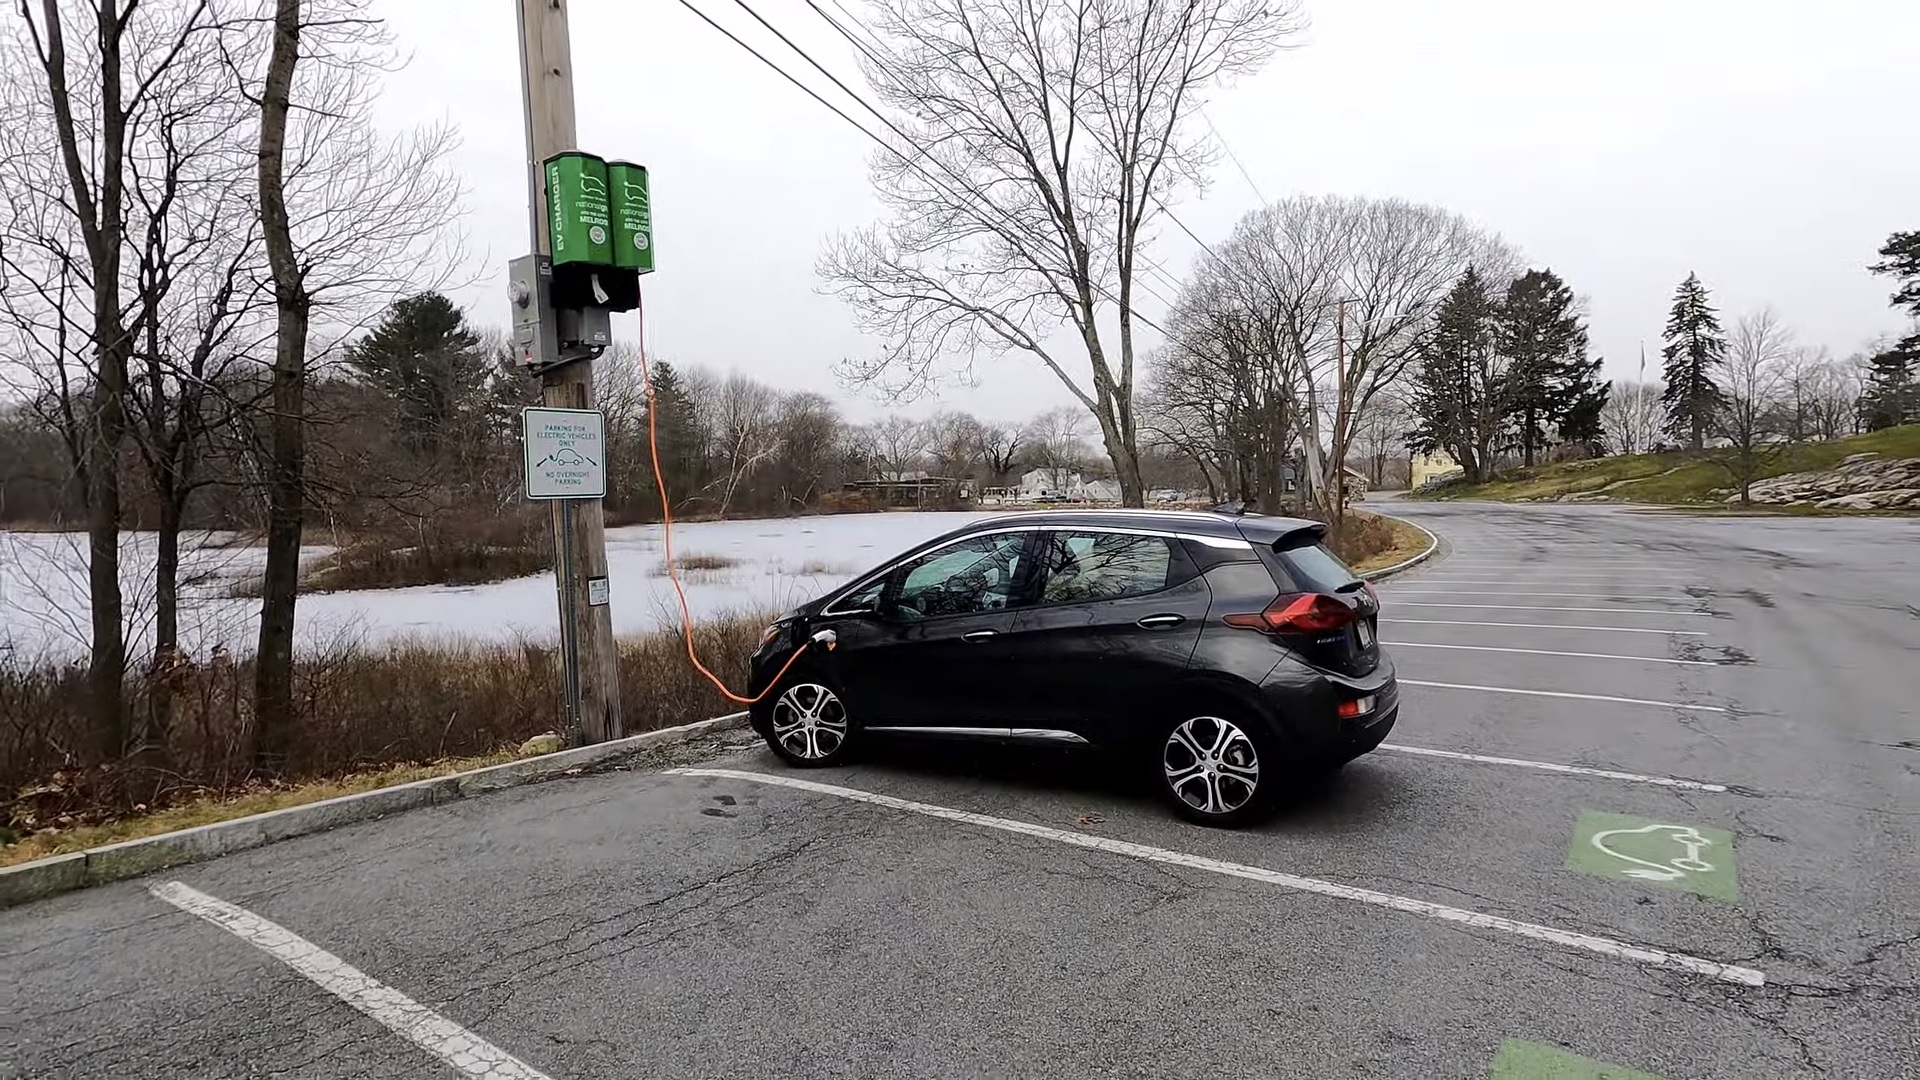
<point>1233,157</point>
<point>972,203</point>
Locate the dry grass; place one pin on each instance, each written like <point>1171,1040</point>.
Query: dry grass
<point>822,568</point>
<point>1675,477</point>
<point>211,809</point>
<point>361,709</point>
<point>697,560</point>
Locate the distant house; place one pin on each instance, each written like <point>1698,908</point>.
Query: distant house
<point>913,487</point>
<point>1438,465</point>
<point>1096,490</point>
<point>1048,481</point>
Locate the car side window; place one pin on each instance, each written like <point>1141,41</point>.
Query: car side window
<point>970,576</point>
<point>1081,567</point>
<point>866,598</point>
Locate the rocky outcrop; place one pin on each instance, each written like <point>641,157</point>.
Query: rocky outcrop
<point>1860,482</point>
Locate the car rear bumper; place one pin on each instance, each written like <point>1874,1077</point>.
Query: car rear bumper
<point>1306,703</point>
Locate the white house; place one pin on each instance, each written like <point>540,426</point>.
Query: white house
<point>1057,481</point>
<point>1096,490</point>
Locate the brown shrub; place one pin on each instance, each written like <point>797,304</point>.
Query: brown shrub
<point>359,707</point>
<point>1360,537</point>
<point>849,502</point>
<point>450,551</point>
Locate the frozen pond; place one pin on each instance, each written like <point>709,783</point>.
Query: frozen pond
<point>776,563</point>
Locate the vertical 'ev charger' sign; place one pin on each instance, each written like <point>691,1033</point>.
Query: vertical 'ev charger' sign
<point>581,225</point>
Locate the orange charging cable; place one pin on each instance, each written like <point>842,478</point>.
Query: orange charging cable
<point>666,534</point>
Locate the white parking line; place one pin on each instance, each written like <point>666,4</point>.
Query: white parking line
<point>1549,607</point>
<point>1544,626</point>
<point>1549,766</point>
<point>452,1044</point>
<point>1549,652</point>
<point>1567,938</point>
<point>1425,581</point>
<point>1562,694</point>
<point>1562,595</point>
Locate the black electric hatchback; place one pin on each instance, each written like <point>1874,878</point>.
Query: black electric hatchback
<point>1229,653</point>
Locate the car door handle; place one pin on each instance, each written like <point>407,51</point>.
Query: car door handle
<point>1155,622</point>
<point>978,635</point>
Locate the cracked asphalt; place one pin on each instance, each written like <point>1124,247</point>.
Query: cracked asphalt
<point>640,924</point>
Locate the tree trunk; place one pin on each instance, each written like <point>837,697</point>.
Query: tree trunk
<point>107,664</point>
<point>156,730</point>
<point>1531,418</point>
<point>286,455</point>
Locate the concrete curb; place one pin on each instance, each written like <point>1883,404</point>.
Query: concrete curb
<point>131,858</point>
<point>1433,545</point>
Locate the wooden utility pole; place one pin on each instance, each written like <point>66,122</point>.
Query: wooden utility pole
<point>579,525</point>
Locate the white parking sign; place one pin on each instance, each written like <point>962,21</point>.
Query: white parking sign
<point>565,453</point>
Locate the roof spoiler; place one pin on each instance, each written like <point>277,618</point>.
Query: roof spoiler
<point>1311,533</point>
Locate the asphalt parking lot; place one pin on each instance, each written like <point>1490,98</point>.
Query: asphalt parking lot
<point>1653,804</point>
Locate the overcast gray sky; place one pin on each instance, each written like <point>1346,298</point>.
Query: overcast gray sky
<point>1768,145</point>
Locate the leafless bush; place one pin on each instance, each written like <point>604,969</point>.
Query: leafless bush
<point>357,707</point>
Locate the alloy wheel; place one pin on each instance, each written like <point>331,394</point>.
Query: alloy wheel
<point>809,721</point>
<point>1211,765</point>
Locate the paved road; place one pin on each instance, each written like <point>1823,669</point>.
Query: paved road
<point>1418,916</point>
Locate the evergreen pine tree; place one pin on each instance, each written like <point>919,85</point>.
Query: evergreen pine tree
<point>425,357</point>
<point>1695,350</point>
<point>1583,398</point>
<point>1457,386</point>
<point>1900,260</point>
<point>676,434</point>
<point>1548,375</point>
<point>1892,393</point>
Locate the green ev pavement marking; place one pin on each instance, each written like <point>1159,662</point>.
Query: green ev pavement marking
<point>1521,1060</point>
<point>1664,853</point>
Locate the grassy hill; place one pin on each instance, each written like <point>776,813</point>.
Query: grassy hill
<point>1678,477</point>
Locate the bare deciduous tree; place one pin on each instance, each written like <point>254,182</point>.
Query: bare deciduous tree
<point>1046,140</point>
<point>1313,308</point>
<point>1633,416</point>
<point>896,445</point>
<point>1821,396</point>
<point>91,134</point>
<point>1000,448</point>
<point>1054,443</point>
<point>1756,374</point>
<point>350,221</point>
<point>1380,436</point>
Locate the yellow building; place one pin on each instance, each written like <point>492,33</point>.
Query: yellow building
<point>1436,465</point>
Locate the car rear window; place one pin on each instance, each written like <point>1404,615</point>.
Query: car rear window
<point>1316,569</point>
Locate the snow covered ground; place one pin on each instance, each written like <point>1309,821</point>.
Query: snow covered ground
<point>776,564</point>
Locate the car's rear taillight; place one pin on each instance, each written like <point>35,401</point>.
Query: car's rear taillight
<point>1303,613</point>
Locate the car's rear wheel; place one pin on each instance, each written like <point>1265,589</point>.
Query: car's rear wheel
<point>808,724</point>
<point>1217,768</point>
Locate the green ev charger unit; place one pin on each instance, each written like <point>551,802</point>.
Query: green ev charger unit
<point>632,216</point>
<point>600,231</point>
<point>588,276</point>
<point>578,223</point>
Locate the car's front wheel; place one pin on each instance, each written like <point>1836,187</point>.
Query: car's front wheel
<point>1218,769</point>
<point>807,723</point>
